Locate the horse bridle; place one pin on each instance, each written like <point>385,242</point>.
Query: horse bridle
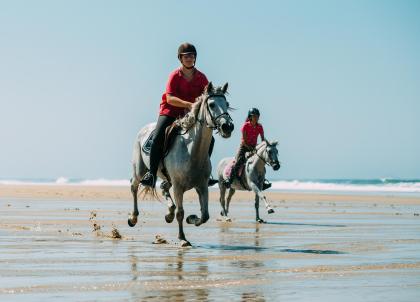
<point>267,163</point>
<point>215,119</point>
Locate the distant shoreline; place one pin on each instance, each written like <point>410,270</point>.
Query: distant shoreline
<point>378,186</point>
<point>103,193</point>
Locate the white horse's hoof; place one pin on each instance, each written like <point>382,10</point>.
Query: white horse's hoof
<point>132,221</point>
<point>270,211</point>
<point>259,220</point>
<point>169,218</point>
<point>192,219</point>
<point>185,243</point>
<point>227,219</point>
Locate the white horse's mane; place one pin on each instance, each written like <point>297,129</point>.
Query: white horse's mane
<point>265,143</point>
<point>190,118</point>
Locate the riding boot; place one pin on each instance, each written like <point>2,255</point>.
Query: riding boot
<point>156,150</point>
<point>149,179</point>
<point>266,184</point>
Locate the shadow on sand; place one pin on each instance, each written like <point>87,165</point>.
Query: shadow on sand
<point>307,224</point>
<point>258,248</point>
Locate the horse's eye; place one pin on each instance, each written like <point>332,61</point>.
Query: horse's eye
<point>211,105</point>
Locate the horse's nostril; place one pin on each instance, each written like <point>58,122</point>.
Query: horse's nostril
<point>231,127</point>
<point>224,127</point>
<point>227,127</point>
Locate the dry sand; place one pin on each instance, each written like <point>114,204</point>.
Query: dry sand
<point>99,193</point>
<point>72,243</point>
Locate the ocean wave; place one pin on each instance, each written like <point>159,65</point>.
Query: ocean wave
<point>349,186</point>
<point>61,180</point>
<point>67,181</point>
<point>105,182</point>
<point>389,185</point>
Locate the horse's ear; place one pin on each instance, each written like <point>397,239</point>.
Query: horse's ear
<point>209,87</point>
<point>224,88</point>
<point>274,143</point>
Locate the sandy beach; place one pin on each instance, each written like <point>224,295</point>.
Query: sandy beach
<point>72,243</point>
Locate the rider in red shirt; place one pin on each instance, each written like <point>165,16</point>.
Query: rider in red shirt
<point>185,84</point>
<point>250,131</point>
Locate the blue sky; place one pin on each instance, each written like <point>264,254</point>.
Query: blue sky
<point>337,82</point>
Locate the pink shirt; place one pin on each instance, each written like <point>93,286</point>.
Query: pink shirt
<point>252,133</point>
<point>188,91</point>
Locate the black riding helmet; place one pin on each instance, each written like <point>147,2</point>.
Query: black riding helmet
<point>186,48</point>
<point>253,111</point>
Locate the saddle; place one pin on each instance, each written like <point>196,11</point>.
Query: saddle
<point>170,133</point>
<point>240,175</point>
<point>229,167</point>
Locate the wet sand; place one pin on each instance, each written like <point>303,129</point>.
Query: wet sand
<point>61,243</point>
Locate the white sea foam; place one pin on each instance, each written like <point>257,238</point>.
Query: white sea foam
<point>378,186</point>
<point>296,185</point>
<point>104,182</point>
<point>66,181</point>
<point>62,180</point>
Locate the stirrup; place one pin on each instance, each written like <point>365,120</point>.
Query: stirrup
<point>266,185</point>
<point>148,180</point>
<point>227,183</point>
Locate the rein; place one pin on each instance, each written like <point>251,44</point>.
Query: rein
<point>267,163</point>
<point>214,119</point>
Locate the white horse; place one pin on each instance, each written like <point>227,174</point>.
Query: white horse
<point>252,177</point>
<point>187,164</point>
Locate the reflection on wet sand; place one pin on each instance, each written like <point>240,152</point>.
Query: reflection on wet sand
<point>306,250</point>
<point>174,270</point>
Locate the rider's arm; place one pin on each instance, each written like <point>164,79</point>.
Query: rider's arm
<point>177,102</point>
<point>262,134</point>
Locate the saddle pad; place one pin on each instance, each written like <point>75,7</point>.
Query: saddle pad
<point>148,143</point>
<point>228,169</point>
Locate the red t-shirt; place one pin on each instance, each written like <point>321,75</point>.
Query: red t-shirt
<point>188,91</point>
<point>252,133</point>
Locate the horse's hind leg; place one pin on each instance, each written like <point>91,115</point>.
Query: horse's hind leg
<point>165,186</point>
<point>139,169</point>
<point>132,219</point>
<point>222,189</point>
<point>229,198</point>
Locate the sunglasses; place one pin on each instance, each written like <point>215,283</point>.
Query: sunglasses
<point>189,55</point>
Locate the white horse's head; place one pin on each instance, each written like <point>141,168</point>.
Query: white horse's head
<point>270,154</point>
<point>216,109</point>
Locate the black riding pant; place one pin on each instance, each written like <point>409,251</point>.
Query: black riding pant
<point>240,159</point>
<point>156,150</point>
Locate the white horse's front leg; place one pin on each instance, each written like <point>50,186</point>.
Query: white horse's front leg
<point>203,195</point>
<point>165,186</point>
<point>261,196</point>
<point>179,196</point>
